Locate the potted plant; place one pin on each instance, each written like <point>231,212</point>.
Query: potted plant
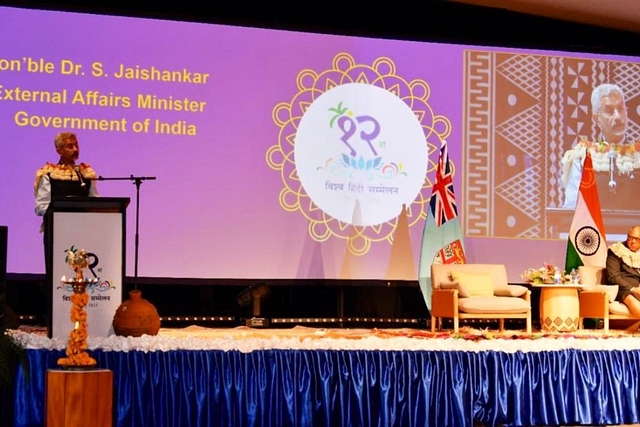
<point>11,356</point>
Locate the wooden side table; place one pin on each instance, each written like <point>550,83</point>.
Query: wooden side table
<point>79,398</point>
<point>559,307</point>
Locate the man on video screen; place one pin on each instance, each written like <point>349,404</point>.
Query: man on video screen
<point>613,153</point>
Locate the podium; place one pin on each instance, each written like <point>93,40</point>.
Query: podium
<point>97,225</point>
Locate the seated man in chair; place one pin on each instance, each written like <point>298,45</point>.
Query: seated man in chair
<point>623,269</point>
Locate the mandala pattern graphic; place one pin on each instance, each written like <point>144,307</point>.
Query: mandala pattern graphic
<point>287,116</point>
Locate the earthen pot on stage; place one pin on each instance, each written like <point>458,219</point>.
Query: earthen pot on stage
<point>136,317</point>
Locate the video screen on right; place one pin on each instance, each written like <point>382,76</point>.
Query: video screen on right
<point>529,120</point>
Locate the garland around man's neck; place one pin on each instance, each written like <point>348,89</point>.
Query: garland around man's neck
<point>632,259</point>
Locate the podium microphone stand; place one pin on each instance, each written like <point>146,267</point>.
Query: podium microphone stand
<point>137,180</point>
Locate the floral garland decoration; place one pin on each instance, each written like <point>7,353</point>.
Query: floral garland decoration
<point>77,344</point>
<point>63,173</point>
<point>627,156</point>
<point>485,334</point>
<point>632,259</point>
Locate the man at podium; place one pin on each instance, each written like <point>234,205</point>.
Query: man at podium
<point>74,217</point>
<point>65,178</point>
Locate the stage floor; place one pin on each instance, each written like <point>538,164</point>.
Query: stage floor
<point>247,339</point>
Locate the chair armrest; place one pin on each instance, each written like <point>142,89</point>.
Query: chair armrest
<point>594,304</point>
<point>510,291</point>
<point>444,303</point>
<point>610,290</point>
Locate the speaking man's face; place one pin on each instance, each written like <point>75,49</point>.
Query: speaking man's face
<point>69,151</point>
<point>612,118</point>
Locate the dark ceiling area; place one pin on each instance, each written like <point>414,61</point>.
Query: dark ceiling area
<point>430,20</point>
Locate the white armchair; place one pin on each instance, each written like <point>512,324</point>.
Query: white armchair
<point>476,291</point>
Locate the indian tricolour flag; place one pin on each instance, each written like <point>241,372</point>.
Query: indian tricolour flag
<point>586,245</point>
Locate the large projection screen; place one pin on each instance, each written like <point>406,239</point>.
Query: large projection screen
<point>290,155</point>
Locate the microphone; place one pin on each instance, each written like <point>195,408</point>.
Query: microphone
<point>77,171</point>
<point>612,179</point>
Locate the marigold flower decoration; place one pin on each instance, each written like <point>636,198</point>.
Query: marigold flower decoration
<point>544,275</point>
<point>626,155</point>
<point>77,343</point>
<point>601,146</point>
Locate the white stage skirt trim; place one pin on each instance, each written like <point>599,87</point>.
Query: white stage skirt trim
<point>246,340</point>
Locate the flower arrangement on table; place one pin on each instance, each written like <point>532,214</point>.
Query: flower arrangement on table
<point>544,275</point>
<point>77,343</point>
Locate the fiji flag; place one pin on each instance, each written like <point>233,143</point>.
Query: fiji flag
<point>442,241</point>
<point>586,244</point>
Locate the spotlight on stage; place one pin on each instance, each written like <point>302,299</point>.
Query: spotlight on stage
<point>253,295</point>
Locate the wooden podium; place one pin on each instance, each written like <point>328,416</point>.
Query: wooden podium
<point>79,398</point>
<point>97,225</point>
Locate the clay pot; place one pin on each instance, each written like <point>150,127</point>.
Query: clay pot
<point>136,316</point>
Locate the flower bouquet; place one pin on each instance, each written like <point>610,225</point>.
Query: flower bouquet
<point>544,275</point>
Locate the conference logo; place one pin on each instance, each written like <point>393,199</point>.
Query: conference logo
<point>356,143</point>
<point>360,154</point>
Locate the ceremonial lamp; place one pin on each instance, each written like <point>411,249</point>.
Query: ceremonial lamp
<point>77,356</point>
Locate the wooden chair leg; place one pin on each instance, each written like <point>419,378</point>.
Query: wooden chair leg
<point>456,324</point>
<point>633,327</point>
<point>433,324</point>
<point>501,325</point>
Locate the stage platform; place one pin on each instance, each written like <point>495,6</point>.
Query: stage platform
<point>303,376</point>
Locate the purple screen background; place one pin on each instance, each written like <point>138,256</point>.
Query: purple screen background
<point>213,211</point>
